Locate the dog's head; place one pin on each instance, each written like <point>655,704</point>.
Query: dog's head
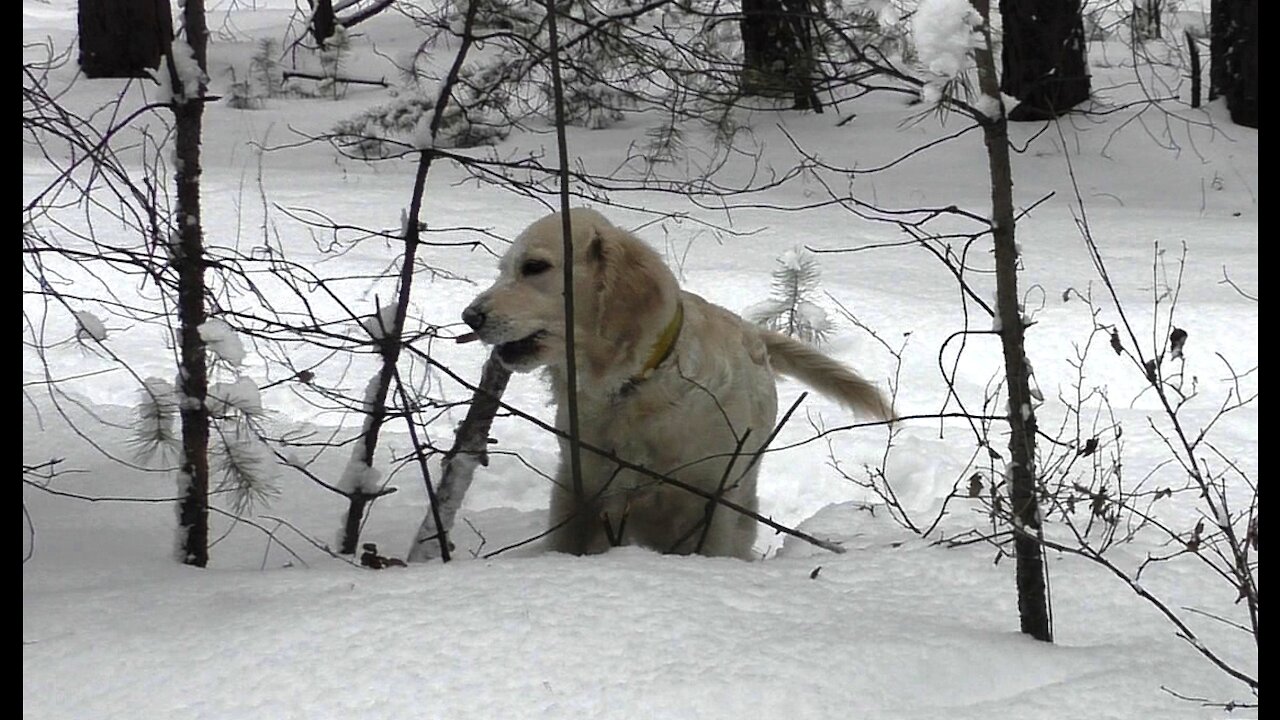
<point>624,296</point>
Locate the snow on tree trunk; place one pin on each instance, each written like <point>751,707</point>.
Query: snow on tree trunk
<point>122,38</point>
<point>186,72</point>
<point>361,482</point>
<point>1033,606</point>
<point>1045,62</point>
<point>470,448</point>
<point>389,337</point>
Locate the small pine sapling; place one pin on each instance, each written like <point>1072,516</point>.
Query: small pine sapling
<point>241,94</point>
<point>265,78</point>
<point>332,57</point>
<point>265,73</point>
<point>791,310</point>
<point>473,117</point>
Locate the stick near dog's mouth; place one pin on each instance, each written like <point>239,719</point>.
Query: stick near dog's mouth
<point>512,351</point>
<point>517,351</point>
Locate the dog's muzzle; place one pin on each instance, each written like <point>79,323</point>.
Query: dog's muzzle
<point>474,317</point>
<point>512,353</point>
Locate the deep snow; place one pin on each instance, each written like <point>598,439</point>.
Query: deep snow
<point>895,628</point>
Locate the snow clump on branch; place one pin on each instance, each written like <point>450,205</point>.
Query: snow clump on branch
<point>945,32</point>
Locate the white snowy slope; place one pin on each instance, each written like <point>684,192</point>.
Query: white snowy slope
<point>896,628</point>
<point>888,630</point>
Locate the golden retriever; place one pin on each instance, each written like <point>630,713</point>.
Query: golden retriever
<point>666,380</point>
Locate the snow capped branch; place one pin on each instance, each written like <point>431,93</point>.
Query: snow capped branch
<point>945,33</point>
<point>90,327</point>
<point>222,341</point>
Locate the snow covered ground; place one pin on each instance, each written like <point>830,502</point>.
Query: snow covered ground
<point>895,628</point>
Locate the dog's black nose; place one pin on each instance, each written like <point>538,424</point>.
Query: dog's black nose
<point>473,317</point>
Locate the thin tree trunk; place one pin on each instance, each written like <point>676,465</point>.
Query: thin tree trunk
<point>566,228</point>
<point>193,520</point>
<point>1146,20</point>
<point>391,338</point>
<point>358,499</point>
<point>1194,51</point>
<point>1033,606</point>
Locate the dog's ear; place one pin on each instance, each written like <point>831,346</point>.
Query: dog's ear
<point>630,280</point>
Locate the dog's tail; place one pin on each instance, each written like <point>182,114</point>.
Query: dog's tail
<point>829,377</point>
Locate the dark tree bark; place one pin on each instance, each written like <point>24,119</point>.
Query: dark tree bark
<point>1033,603</point>
<point>777,49</point>
<point>189,261</point>
<point>1219,26</point>
<point>1044,61</point>
<point>1193,52</point>
<point>123,38</point>
<point>1147,19</point>
<point>1233,58</point>
<point>323,23</point>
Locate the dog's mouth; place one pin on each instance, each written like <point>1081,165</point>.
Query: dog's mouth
<point>519,351</point>
<point>514,352</point>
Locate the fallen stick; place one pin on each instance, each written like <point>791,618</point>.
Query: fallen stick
<point>470,448</point>
<point>336,78</point>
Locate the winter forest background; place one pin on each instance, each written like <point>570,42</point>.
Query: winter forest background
<point>249,228</point>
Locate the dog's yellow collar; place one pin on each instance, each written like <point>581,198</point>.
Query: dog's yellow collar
<point>665,344</point>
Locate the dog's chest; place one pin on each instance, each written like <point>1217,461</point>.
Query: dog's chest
<point>672,421</point>
<point>640,416</point>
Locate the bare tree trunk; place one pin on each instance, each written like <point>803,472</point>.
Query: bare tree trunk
<point>1242,64</point>
<point>123,38</point>
<point>1044,60</point>
<point>1193,52</point>
<point>323,22</point>
<point>1219,40</point>
<point>392,338</point>
<point>1146,22</point>
<point>1233,57</point>
<point>777,51</point>
<point>570,342</point>
<point>1033,606</point>
<point>193,520</point>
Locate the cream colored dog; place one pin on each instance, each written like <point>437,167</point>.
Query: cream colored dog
<point>666,380</point>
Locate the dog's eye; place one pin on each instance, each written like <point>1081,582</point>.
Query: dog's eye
<point>534,267</point>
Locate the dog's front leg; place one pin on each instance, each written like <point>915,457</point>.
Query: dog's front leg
<point>579,525</point>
